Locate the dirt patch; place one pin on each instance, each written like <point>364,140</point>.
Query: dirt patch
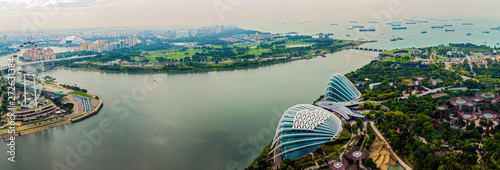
<point>379,154</point>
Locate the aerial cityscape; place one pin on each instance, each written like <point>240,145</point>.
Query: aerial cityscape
<point>253,85</point>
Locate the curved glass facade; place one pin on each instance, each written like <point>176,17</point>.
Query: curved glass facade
<point>302,129</point>
<point>341,89</point>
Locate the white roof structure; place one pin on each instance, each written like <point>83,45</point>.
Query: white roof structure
<point>71,40</point>
<point>302,129</point>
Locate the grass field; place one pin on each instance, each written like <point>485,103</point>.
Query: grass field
<point>80,94</point>
<point>176,53</point>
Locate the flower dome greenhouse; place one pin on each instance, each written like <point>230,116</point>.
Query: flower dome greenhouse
<point>302,129</point>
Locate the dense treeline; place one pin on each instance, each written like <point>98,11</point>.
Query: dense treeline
<point>386,73</point>
<point>187,67</point>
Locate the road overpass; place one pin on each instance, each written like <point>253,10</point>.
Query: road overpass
<point>44,61</point>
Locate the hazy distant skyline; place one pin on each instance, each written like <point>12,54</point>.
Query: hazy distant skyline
<point>66,14</point>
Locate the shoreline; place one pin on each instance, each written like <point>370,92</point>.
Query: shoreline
<point>67,119</point>
<point>277,61</point>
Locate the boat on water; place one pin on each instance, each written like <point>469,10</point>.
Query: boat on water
<point>358,26</point>
<point>372,22</point>
<point>411,22</point>
<point>350,28</point>
<point>348,35</point>
<point>468,34</point>
<point>388,23</point>
<point>447,25</point>
<point>449,30</point>
<point>334,24</point>
<point>394,39</point>
<point>437,26</point>
<point>353,21</point>
<point>366,29</point>
<point>423,32</point>
<point>467,23</point>
<point>399,38</point>
<point>443,20</point>
<point>495,28</point>
<point>486,32</point>
<point>396,25</point>
<point>423,21</point>
<point>457,19</point>
<point>399,28</point>
<point>398,22</point>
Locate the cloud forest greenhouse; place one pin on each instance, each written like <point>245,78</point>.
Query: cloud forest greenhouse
<point>341,89</point>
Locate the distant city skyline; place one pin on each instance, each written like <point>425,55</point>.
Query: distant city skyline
<point>32,15</point>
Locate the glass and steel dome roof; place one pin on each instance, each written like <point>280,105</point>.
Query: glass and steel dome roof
<point>302,129</point>
<point>341,89</point>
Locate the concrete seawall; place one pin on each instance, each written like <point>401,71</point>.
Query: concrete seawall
<point>62,123</point>
<point>26,132</point>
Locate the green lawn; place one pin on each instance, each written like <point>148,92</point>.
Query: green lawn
<point>176,53</point>
<point>441,58</point>
<point>78,93</point>
<point>392,51</point>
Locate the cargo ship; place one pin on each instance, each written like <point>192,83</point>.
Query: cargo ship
<point>358,26</point>
<point>372,22</point>
<point>411,23</point>
<point>423,32</point>
<point>353,21</point>
<point>467,23</point>
<point>423,21</point>
<point>399,28</point>
<point>334,24</point>
<point>437,26</point>
<point>396,25</point>
<point>366,29</point>
<point>486,32</point>
<point>449,30</point>
<point>497,28</point>
<point>447,25</point>
<point>468,34</point>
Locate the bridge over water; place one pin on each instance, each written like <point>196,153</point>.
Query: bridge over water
<point>366,49</point>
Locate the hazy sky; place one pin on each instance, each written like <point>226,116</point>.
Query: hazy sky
<point>49,14</point>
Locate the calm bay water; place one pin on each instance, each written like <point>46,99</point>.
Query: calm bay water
<point>412,36</point>
<point>214,120</point>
